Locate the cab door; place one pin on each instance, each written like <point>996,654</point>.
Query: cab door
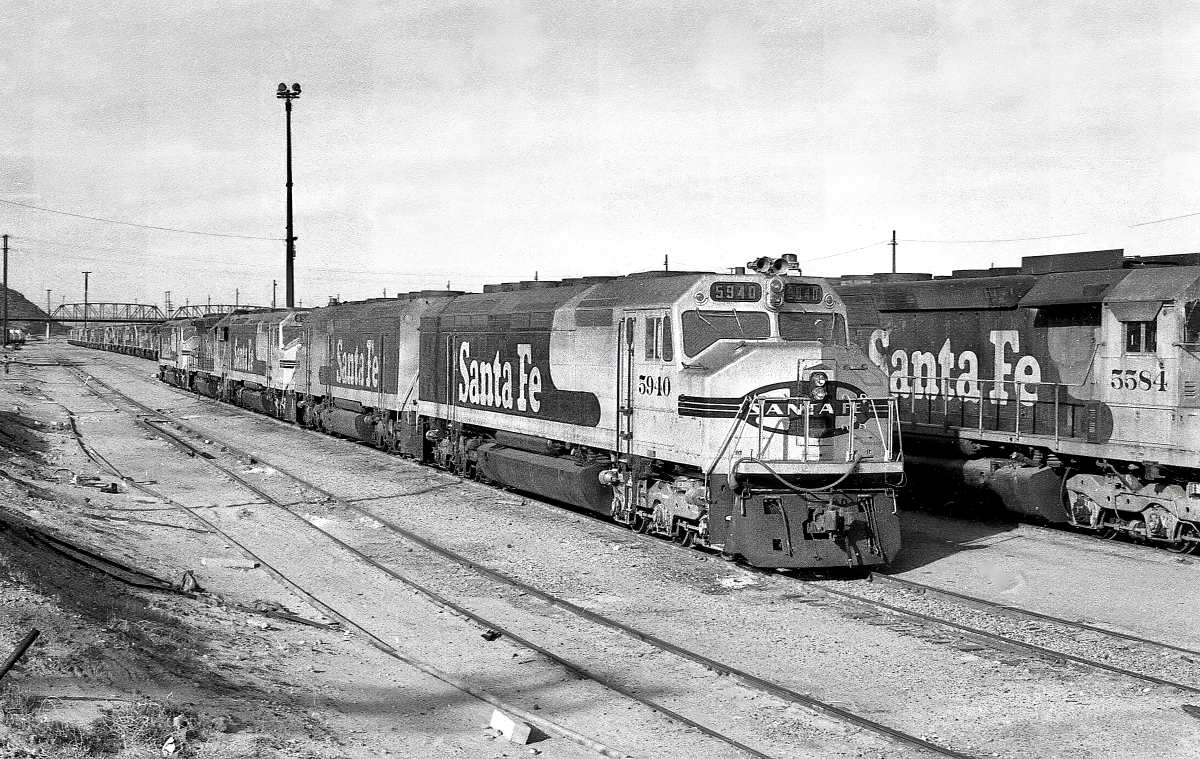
<point>653,391</point>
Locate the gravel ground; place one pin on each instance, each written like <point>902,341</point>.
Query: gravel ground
<point>930,683</point>
<point>253,686</point>
<point>1138,590</point>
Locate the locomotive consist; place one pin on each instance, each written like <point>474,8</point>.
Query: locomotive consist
<point>721,410</point>
<point>131,339</point>
<point>1067,388</point>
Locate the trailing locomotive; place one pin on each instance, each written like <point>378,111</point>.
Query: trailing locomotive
<point>131,339</point>
<point>721,410</point>
<point>1067,388</point>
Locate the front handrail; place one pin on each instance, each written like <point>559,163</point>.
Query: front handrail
<point>757,403</point>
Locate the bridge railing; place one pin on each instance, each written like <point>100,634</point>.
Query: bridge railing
<point>128,313</point>
<point>107,312</point>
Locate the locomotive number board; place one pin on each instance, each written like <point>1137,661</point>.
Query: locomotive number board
<point>795,292</point>
<point>736,292</point>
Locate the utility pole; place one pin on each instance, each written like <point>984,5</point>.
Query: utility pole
<point>273,283</point>
<point>666,262</point>
<point>167,303</point>
<point>5,289</point>
<point>236,298</point>
<point>893,244</point>
<point>288,96</point>
<point>48,313</point>
<point>85,298</point>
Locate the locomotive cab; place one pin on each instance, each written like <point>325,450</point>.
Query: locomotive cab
<point>784,432</point>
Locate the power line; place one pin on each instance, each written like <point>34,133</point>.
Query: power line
<point>133,224</point>
<point>1007,239</point>
<point>846,252</point>
<point>1160,221</point>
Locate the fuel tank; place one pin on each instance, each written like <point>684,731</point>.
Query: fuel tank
<point>258,400</point>
<point>205,386</point>
<point>1035,491</point>
<point>349,424</point>
<point>556,477</point>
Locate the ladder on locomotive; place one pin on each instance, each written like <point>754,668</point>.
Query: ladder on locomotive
<point>624,442</point>
<point>624,401</point>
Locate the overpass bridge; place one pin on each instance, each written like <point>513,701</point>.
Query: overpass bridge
<point>135,313</point>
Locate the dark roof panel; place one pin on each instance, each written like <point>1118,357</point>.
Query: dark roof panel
<point>1072,287</point>
<point>1062,262</point>
<point>1154,284</point>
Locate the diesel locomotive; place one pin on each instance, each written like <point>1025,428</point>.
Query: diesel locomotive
<point>725,410</point>
<point>1067,388</point>
<point>140,340</point>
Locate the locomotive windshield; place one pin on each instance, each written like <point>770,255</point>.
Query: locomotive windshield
<point>825,328</point>
<point>703,328</point>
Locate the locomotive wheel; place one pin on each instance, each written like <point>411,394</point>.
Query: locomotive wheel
<point>688,539</point>
<point>1184,545</point>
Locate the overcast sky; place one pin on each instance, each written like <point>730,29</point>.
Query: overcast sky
<point>476,142</point>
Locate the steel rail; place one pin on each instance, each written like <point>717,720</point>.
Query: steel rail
<point>1016,611</point>
<point>1003,641</point>
<point>748,679</point>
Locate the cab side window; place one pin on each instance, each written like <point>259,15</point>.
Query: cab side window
<point>659,344</point>
<point>1191,326</point>
<point>1141,337</point>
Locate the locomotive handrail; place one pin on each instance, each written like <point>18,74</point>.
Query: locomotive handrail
<point>758,402</point>
<point>1014,422</point>
<point>850,467</point>
<point>737,421</point>
<point>885,439</point>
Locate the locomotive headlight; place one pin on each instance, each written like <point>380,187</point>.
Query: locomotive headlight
<point>775,285</point>
<point>775,301</point>
<point>818,393</point>
<point>819,379</point>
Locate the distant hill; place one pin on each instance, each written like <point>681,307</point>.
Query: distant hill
<point>22,312</point>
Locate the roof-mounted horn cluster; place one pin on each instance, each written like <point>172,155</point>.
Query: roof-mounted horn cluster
<point>769,267</point>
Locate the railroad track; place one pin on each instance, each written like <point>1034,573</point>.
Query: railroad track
<point>981,634</point>
<point>1065,633</point>
<point>227,458</point>
<point>1148,654</point>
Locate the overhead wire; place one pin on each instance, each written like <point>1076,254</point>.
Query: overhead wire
<point>846,252</point>
<point>1005,239</point>
<point>190,262</point>
<point>135,224</point>
<point>1160,221</point>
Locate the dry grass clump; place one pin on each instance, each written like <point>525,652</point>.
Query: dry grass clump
<point>129,731</point>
